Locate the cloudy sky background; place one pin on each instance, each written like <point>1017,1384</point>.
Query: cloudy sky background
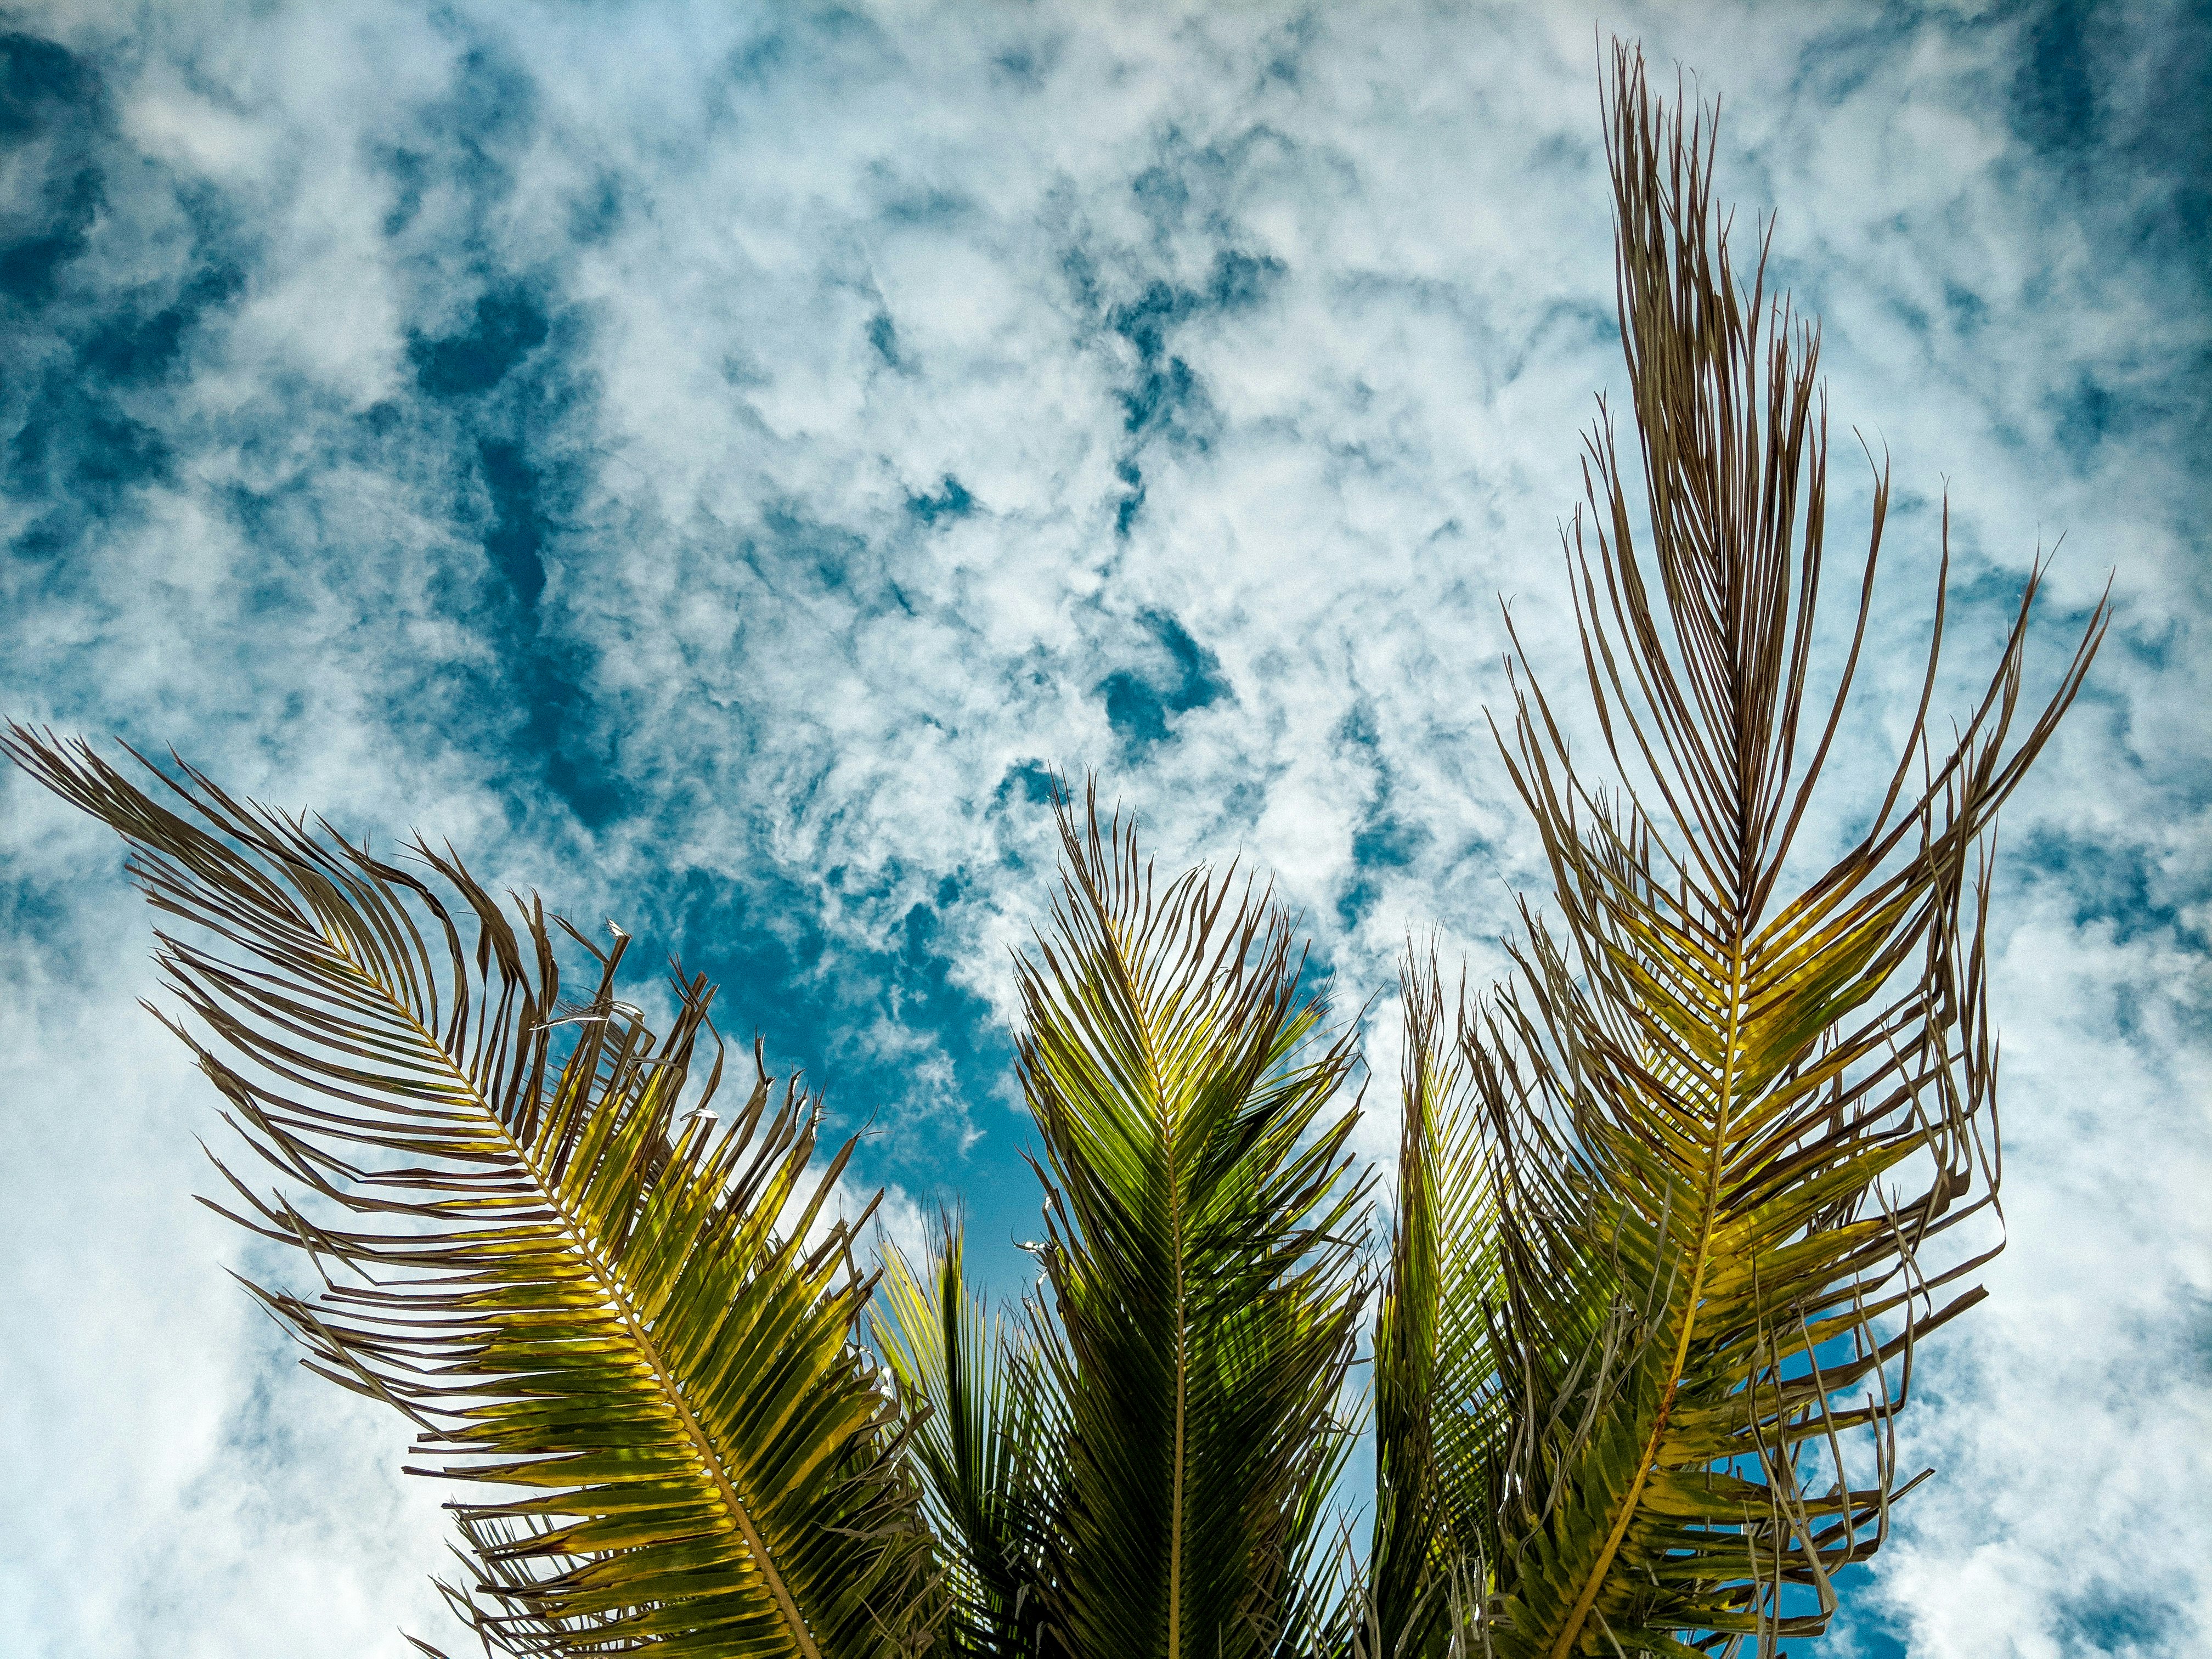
<point>711,464</point>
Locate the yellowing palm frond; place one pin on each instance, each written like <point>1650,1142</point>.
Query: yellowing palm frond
<point>579,1289</point>
<point>1726,1121</point>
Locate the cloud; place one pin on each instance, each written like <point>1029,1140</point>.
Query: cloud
<point>714,464</point>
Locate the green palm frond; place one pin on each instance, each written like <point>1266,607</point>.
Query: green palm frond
<point>1705,1098</point>
<point>1440,1413</point>
<point>579,1288</point>
<point>1204,1297</point>
<point>980,1445</point>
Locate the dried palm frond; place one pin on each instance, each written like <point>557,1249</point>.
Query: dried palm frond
<point>1720,1121</point>
<point>633,1325</point>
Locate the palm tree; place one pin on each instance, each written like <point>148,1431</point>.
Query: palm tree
<point>1664,1199</point>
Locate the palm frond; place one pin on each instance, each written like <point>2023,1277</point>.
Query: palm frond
<point>577,1288</point>
<point>1203,1292</point>
<point>1704,1098</point>
<point>981,1446</point>
<point>1439,1410</point>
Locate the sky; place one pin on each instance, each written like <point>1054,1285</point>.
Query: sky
<point>715,465</point>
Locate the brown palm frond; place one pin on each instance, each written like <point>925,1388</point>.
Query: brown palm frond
<point>1702,1099</point>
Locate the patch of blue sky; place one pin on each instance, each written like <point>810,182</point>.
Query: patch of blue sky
<point>1174,675</point>
<point>817,1000</point>
<point>1167,404</point>
<point>1385,840</point>
<point>83,359</point>
<point>952,500</point>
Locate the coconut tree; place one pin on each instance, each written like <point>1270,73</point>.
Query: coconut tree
<point>1662,1228</point>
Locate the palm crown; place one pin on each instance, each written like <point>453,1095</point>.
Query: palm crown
<point>1657,1260</point>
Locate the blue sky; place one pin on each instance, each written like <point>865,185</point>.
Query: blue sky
<point>713,464</point>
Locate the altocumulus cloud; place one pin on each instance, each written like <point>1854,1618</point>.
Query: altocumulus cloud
<point>714,464</point>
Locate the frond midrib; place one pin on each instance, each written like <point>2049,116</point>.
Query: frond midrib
<point>1141,1006</point>
<point>583,1242</point>
<point>1678,1364</point>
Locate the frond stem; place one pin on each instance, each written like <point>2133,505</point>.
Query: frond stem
<point>1586,1598</point>
<point>609,1285</point>
<point>1141,1005</point>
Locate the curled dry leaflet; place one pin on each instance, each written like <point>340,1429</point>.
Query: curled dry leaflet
<point>1660,1249</point>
